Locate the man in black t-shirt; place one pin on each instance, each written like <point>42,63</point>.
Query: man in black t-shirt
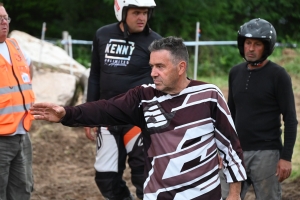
<point>260,92</point>
<point>120,61</point>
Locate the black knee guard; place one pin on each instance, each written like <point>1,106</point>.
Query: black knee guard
<point>138,179</point>
<point>112,186</point>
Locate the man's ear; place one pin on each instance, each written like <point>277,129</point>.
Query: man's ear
<point>182,67</point>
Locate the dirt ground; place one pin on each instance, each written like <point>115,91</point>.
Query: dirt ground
<point>63,164</point>
<point>63,161</point>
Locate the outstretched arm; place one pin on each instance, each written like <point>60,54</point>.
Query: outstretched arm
<point>47,111</point>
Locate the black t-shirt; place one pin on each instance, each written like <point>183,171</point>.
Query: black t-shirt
<point>257,99</point>
<point>118,65</point>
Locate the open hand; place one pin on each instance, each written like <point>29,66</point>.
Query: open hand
<point>47,111</point>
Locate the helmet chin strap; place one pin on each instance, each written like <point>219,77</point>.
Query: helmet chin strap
<point>147,29</point>
<point>257,63</point>
<point>126,31</point>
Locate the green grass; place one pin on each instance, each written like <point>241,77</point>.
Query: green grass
<point>296,155</point>
<point>220,81</point>
<point>288,58</point>
<point>296,158</point>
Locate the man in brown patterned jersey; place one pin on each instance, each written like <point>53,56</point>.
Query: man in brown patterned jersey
<point>185,124</point>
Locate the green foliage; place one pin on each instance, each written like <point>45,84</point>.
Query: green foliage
<point>82,54</point>
<point>288,58</point>
<point>220,81</point>
<point>216,60</point>
<point>79,18</point>
<point>219,20</point>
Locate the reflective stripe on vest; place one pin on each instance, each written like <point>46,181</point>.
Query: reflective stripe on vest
<point>16,95</point>
<point>12,109</point>
<point>7,90</point>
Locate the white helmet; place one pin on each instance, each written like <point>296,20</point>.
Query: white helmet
<point>121,7</point>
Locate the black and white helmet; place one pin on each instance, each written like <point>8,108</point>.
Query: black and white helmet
<point>257,29</point>
<point>121,7</point>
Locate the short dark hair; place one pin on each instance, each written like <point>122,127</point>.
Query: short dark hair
<point>174,45</point>
<point>1,4</point>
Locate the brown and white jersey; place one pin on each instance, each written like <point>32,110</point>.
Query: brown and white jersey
<point>183,135</point>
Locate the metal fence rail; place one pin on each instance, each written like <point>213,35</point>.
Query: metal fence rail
<point>67,42</point>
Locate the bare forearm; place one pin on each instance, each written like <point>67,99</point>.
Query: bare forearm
<point>234,191</point>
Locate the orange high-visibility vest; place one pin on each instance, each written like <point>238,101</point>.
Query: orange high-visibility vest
<point>16,95</point>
